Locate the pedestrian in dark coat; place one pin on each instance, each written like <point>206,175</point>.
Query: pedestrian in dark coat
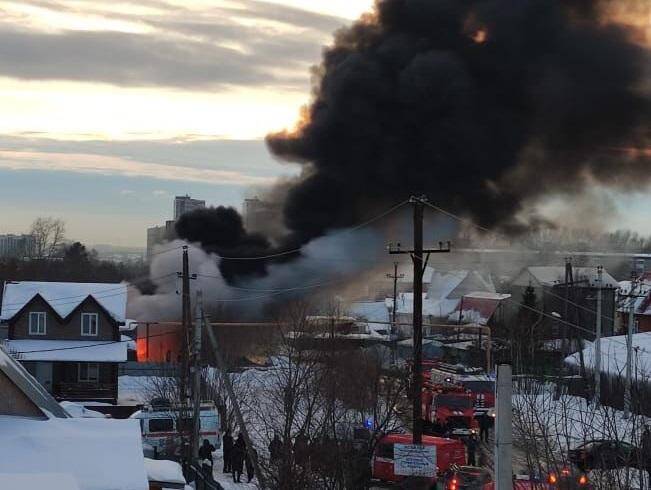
<point>646,452</point>
<point>227,445</point>
<point>301,449</point>
<point>205,451</point>
<point>471,447</point>
<point>275,449</point>
<point>484,426</point>
<point>237,459</point>
<point>248,463</point>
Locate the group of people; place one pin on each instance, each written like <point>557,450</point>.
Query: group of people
<point>237,457</point>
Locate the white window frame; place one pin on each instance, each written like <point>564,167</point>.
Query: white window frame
<point>37,331</point>
<point>88,365</point>
<point>91,334</point>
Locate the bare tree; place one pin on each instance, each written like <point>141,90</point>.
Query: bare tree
<point>48,234</point>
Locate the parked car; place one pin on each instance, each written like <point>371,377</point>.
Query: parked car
<point>604,454</point>
<point>468,478</point>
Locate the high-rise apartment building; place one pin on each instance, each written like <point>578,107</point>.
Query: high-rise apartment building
<point>185,204</point>
<point>19,246</point>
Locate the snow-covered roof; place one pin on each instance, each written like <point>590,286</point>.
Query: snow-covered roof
<point>443,283</point>
<point>28,481</point>
<point>68,350</point>
<point>64,297</point>
<point>161,470</point>
<point>101,454</point>
<point>641,292</point>
<point>437,308</point>
<point>478,307</point>
<point>552,275</point>
<point>31,388</point>
<point>373,311</point>
<point>613,355</point>
<point>78,410</point>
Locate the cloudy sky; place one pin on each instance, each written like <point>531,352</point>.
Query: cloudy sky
<point>110,108</point>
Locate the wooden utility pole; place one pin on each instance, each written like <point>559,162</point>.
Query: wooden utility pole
<point>186,322</point>
<point>419,267</point>
<point>196,374</point>
<point>395,278</point>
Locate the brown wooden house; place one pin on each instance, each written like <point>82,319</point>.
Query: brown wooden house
<point>67,336</point>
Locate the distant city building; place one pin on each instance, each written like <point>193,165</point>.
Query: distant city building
<point>185,204</point>
<point>159,234</point>
<point>260,216</point>
<point>16,245</point>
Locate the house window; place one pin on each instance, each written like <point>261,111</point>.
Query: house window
<point>88,372</point>
<point>89,324</point>
<point>37,323</point>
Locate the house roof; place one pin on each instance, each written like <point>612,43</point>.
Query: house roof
<point>99,453</point>
<point>553,275</point>
<point>68,350</point>
<point>29,386</point>
<point>64,297</point>
<point>479,307</point>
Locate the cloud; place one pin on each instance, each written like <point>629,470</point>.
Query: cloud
<point>111,165</point>
<point>251,43</point>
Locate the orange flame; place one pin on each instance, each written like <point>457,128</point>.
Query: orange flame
<point>480,36</point>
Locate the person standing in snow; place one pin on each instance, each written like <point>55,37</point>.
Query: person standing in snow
<point>227,445</point>
<point>205,451</point>
<point>484,426</point>
<point>301,449</point>
<point>646,452</point>
<point>275,448</point>
<point>248,463</point>
<point>471,446</point>
<point>237,458</point>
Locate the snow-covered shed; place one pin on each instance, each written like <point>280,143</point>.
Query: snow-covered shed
<point>42,443</point>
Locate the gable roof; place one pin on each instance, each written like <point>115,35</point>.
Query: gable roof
<point>64,297</point>
<point>553,275</point>
<point>32,389</point>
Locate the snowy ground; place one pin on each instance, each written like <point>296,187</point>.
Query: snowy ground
<point>226,479</point>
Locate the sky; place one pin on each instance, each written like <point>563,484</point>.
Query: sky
<point>110,108</point>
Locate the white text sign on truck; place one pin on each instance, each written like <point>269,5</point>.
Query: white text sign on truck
<point>414,460</point>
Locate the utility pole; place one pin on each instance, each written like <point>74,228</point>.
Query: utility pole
<point>597,343</point>
<point>503,429</point>
<point>196,371</point>
<point>629,351</point>
<point>419,267</point>
<point>238,413</point>
<point>186,322</point>
<point>395,278</point>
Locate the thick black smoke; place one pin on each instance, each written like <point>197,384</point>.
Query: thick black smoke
<point>221,231</point>
<point>480,105</point>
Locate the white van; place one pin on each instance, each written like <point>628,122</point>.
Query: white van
<point>165,427</point>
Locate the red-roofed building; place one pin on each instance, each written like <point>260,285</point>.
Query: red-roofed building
<point>480,307</point>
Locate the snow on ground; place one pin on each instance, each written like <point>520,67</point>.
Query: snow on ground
<point>226,479</point>
<point>101,454</point>
<point>613,355</point>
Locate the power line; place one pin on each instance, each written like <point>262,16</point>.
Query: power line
<point>346,230</point>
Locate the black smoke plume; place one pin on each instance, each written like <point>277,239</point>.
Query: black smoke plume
<point>480,105</point>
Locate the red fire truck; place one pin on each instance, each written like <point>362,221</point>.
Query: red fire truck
<point>448,452</point>
<point>448,410</point>
<point>473,380</point>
